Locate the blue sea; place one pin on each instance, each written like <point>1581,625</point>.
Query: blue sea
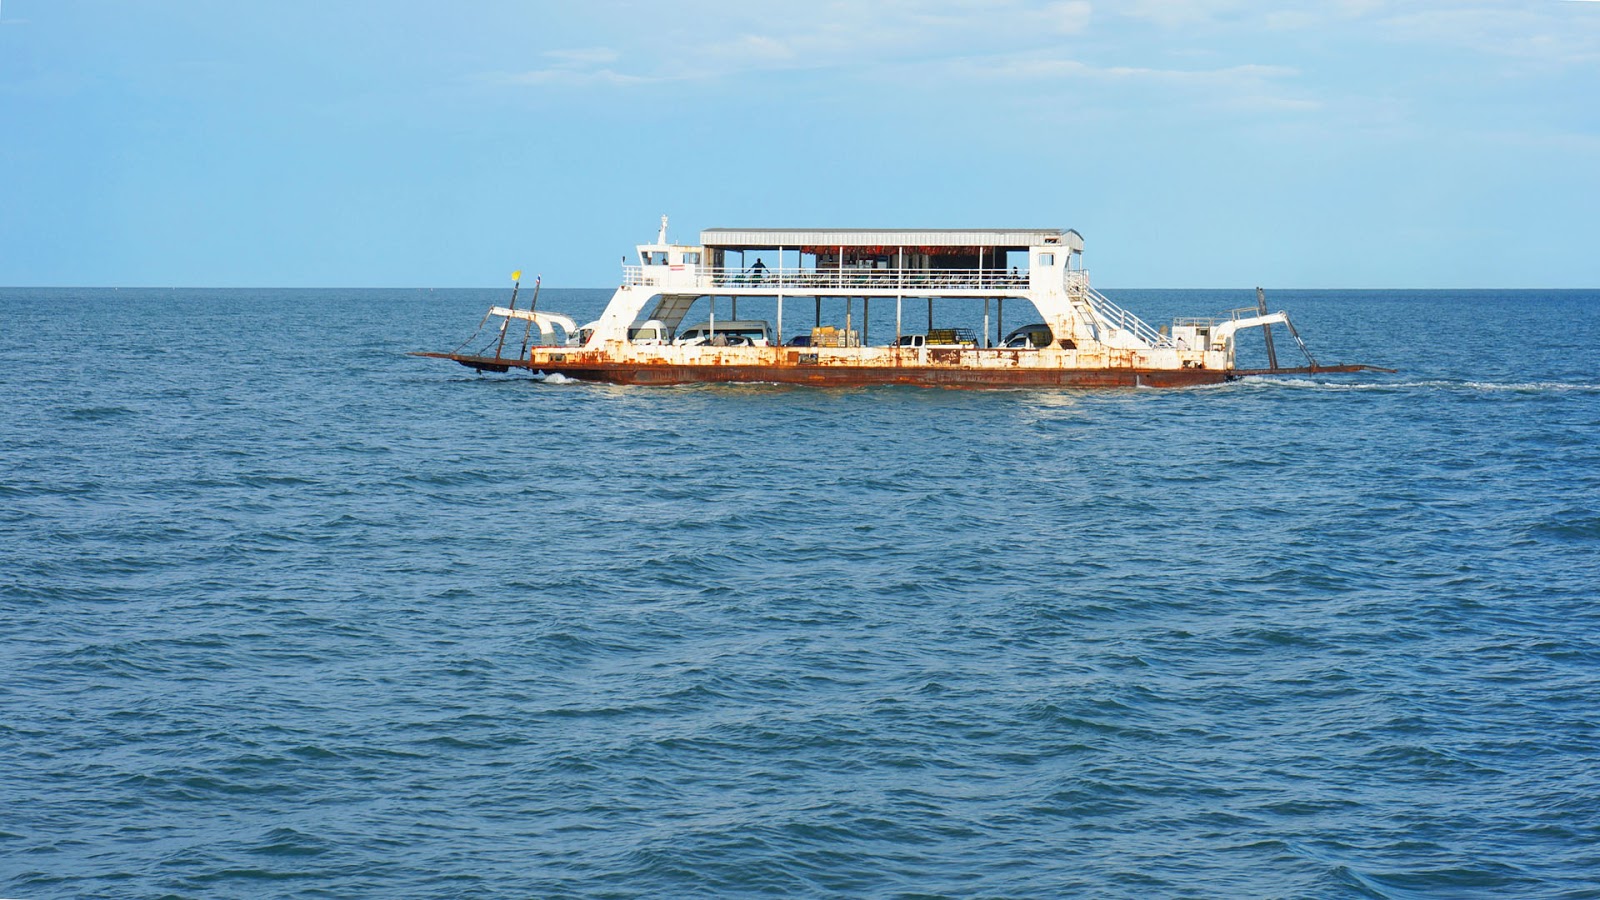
<point>285,612</point>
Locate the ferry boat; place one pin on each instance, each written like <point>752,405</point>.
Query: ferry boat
<point>807,296</point>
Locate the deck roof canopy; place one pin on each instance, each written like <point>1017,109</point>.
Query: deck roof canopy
<point>769,238</point>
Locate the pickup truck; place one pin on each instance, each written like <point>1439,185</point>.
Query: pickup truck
<point>940,337</point>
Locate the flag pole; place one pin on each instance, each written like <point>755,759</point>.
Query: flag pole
<point>516,282</point>
<point>528,331</point>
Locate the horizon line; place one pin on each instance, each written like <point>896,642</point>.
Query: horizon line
<point>348,287</point>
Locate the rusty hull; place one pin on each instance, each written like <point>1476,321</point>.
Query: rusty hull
<point>590,366</point>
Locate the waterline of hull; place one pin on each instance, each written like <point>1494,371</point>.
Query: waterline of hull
<point>826,375</point>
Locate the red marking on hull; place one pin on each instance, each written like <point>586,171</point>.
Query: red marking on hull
<point>855,376</point>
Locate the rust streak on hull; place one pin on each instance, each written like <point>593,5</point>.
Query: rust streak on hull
<point>643,373</point>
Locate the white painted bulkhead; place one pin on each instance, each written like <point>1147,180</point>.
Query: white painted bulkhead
<point>1091,331</point>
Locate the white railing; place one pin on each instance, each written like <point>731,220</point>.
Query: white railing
<point>1232,315</point>
<point>1115,316</point>
<point>835,280</point>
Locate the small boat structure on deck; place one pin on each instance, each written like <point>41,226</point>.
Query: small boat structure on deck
<point>1076,337</point>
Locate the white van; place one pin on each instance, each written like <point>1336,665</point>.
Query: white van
<point>651,334</point>
<point>732,333</point>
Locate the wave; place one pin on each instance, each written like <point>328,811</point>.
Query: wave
<point>1488,387</point>
<point>99,413</point>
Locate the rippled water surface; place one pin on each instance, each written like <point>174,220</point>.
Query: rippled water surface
<point>285,612</point>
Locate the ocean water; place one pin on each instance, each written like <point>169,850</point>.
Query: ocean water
<point>285,612</point>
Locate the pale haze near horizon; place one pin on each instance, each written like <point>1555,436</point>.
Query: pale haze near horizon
<point>1209,143</point>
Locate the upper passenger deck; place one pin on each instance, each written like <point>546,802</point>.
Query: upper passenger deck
<point>939,241</point>
<point>861,262</point>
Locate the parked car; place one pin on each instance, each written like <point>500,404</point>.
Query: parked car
<point>1028,337</point>
<point>731,333</point>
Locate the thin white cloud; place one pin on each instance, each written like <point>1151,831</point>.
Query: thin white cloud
<point>568,77</point>
<point>1179,13</point>
<point>583,56</point>
<point>753,51</point>
<point>578,67</point>
<point>1071,17</point>
<point>1533,35</point>
<point>733,38</point>
<point>1054,68</point>
<point>720,41</point>
<point>1246,88</point>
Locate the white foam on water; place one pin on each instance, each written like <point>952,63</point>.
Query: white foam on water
<point>1531,386</point>
<point>1524,387</point>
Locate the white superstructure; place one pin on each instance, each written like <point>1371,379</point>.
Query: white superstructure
<point>662,323</point>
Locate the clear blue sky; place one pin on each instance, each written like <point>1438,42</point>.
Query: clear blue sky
<point>1194,143</point>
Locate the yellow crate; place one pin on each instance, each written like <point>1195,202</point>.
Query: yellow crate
<point>829,336</point>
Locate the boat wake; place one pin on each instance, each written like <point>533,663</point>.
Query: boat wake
<point>554,378</point>
<point>1487,387</point>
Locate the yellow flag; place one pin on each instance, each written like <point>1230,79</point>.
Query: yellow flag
<point>517,275</point>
